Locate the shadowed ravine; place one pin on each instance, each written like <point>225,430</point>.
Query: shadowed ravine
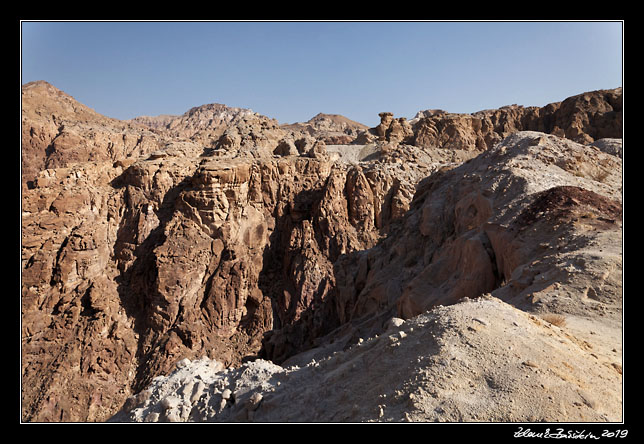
<point>209,247</point>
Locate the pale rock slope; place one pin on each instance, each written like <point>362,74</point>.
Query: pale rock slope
<point>479,360</point>
<point>507,270</point>
<point>330,128</point>
<point>248,248</point>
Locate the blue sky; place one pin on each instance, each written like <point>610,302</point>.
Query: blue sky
<point>291,71</point>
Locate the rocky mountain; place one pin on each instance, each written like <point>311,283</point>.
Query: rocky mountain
<point>206,124</point>
<point>229,268</point>
<point>160,122</point>
<point>333,129</point>
<point>583,118</point>
<point>57,130</point>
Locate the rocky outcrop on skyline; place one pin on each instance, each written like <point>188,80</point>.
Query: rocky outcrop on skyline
<point>160,122</point>
<point>390,129</point>
<point>224,242</point>
<point>332,129</point>
<point>57,131</point>
<point>217,126</point>
<point>583,118</point>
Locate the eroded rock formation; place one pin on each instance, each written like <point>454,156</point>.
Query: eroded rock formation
<point>221,234</point>
<point>583,118</point>
<point>57,130</point>
<point>332,129</point>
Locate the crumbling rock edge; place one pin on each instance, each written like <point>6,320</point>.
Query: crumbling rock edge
<point>543,343</point>
<point>224,238</point>
<point>478,360</point>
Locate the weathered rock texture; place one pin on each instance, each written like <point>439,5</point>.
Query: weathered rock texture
<point>171,255</point>
<point>520,220</point>
<point>226,237</point>
<point>583,118</point>
<point>332,129</point>
<point>221,128</point>
<point>536,222</point>
<point>57,131</point>
<point>479,360</point>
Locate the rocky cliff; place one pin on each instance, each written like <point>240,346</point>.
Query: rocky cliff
<point>222,237</point>
<point>583,118</point>
<point>330,128</point>
<point>213,124</point>
<point>57,130</point>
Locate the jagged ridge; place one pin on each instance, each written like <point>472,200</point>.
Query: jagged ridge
<point>201,244</point>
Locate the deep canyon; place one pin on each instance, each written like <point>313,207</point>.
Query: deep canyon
<point>448,267</point>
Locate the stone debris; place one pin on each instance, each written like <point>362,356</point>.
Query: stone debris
<point>220,266</point>
<point>450,363</point>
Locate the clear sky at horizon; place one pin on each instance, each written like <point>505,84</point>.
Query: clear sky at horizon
<point>291,71</point>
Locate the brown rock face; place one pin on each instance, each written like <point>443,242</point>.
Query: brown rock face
<point>174,254</point>
<point>57,131</point>
<point>220,129</point>
<point>583,118</point>
<point>504,223</point>
<point>332,129</point>
<point>390,129</point>
<point>236,239</point>
<point>78,340</point>
<point>393,130</point>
